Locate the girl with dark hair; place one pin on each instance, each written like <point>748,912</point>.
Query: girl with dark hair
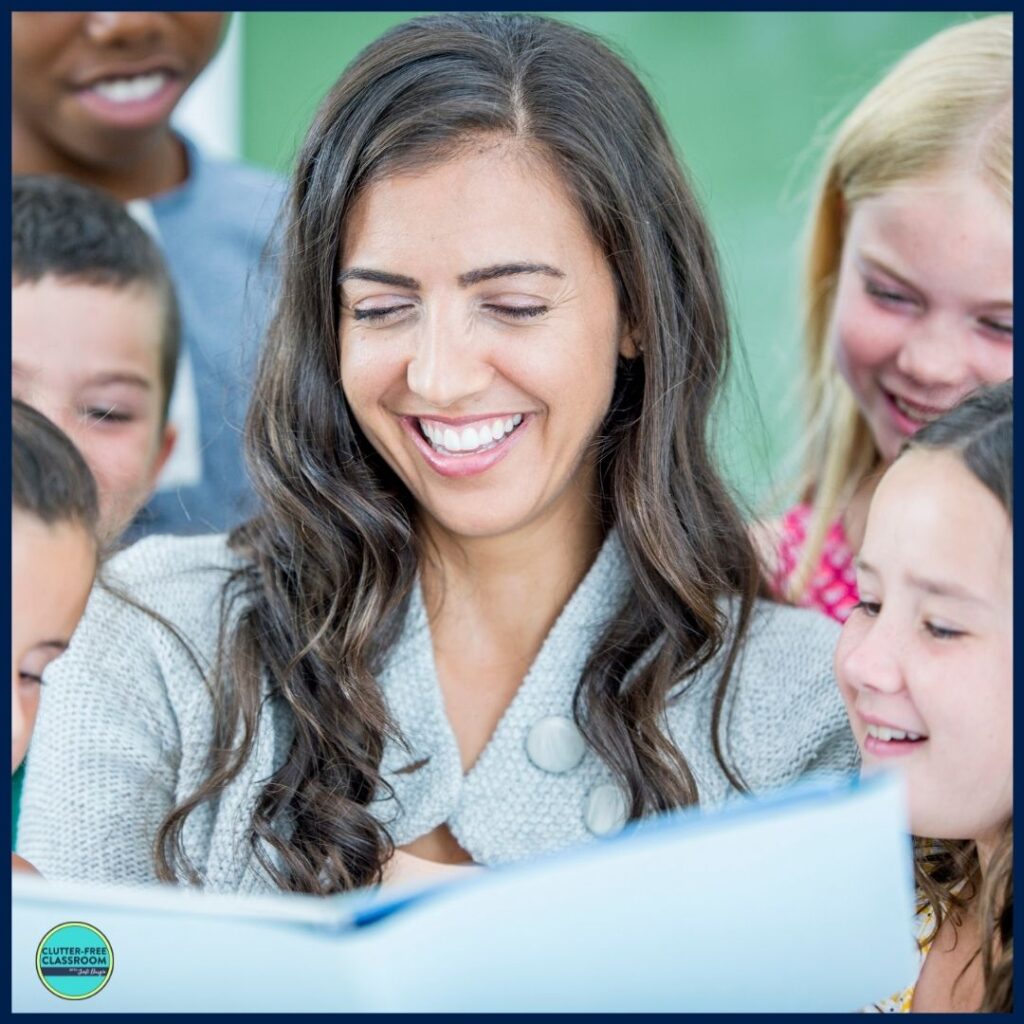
<point>925,664</point>
<point>54,515</point>
<point>497,600</point>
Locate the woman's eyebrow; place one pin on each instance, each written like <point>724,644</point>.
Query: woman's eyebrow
<point>506,270</point>
<point>377,277</point>
<point>465,280</point>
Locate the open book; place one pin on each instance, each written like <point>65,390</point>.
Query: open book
<point>799,901</point>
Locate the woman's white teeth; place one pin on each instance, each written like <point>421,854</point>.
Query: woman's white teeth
<point>469,439</point>
<point>131,90</point>
<point>886,733</point>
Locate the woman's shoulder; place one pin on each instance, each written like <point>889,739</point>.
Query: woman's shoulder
<point>167,564</point>
<point>159,581</point>
<point>786,702</point>
<point>786,660</point>
<point>785,665</point>
<point>800,634</point>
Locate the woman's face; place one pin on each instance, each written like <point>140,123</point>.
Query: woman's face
<point>924,303</point>
<point>925,662</point>
<point>479,336</point>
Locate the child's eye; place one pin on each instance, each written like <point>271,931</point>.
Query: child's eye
<point>27,677</point>
<point>999,328</point>
<point>107,414</point>
<point>516,312</point>
<point>942,632</point>
<point>869,608</point>
<point>878,291</point>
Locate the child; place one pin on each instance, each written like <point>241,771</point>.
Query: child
<point>94,337</point>
<point>91,98</point>
<point>908,288</point>
<point>53,560</point>
<point>925,665</point>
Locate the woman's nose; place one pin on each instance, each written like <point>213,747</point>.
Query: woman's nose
<point>447,367</point>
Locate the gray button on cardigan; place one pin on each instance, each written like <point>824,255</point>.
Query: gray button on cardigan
<point>124,726</point>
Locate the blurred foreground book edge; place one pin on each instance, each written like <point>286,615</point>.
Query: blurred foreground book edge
<point>799,901</point>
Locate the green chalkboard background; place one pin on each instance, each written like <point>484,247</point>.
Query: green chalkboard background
<point>747,97</point>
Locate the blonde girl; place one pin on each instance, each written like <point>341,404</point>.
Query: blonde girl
<point>908,288</point>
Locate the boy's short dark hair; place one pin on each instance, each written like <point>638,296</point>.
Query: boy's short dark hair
<point>83,235</point>
<point>49,478</point>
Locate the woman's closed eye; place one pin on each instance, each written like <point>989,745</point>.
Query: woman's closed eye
<point>381,314</point>
<point>515,312</point>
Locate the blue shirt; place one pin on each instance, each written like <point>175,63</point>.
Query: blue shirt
<point>213,230</point>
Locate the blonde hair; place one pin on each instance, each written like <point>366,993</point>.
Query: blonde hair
<point>947,103</point>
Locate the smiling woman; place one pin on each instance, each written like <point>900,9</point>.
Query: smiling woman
<point>497,600</point>
<point>487,328</point>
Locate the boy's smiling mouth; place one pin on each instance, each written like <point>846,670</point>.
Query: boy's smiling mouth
<point>133,95</point>
<point>131,88</point>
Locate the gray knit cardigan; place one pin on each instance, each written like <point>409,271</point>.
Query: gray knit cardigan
<point>125,723</point>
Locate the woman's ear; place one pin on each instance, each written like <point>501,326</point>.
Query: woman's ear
<point>629,347</point>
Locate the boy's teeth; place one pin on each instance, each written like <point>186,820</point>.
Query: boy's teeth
<point>468,439</point>
<point>131,90</point>
<point>886,733</point>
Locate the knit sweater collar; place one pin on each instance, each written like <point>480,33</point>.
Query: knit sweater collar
<point>410,683</point>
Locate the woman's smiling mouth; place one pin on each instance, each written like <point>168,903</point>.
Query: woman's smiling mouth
<point>481,436</point>
<point>466,447</point>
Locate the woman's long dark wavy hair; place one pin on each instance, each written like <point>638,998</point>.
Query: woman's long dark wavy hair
<point>980,432</point>
<point>332,556</point>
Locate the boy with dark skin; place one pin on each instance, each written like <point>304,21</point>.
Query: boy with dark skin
<point>92,98</point>
<point>71,113</point>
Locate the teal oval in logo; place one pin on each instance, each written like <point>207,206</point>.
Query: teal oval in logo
<point>74,960</point>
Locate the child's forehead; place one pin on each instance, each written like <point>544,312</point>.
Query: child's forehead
<point>52,568</point>
<point>79,325</point>
<point>934,481</point>
<point>932,513</point>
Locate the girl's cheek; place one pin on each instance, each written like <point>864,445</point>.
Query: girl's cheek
<point>995,364</point>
